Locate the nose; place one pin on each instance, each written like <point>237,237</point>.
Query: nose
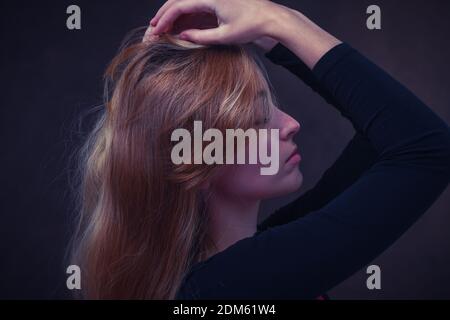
<point>290,127</point>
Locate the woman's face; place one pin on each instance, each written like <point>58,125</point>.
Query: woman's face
<point>246,181</point>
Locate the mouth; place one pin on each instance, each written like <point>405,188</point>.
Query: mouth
<point>294,157</point>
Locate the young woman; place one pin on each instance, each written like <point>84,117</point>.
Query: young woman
<point>153,229</point>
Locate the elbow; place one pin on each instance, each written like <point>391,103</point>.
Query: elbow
<point>429,152</point>
<point>442,154</point>
<point>447,149</point>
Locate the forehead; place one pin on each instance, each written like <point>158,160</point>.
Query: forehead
<point>266,105</point>
<point>266,97</point>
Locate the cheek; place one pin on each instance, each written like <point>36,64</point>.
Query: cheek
<point>246,181</point>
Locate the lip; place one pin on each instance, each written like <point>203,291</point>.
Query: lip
<point>294,156</point>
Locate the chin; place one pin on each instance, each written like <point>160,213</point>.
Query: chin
<point>290,184</point>
<point>296,181</point>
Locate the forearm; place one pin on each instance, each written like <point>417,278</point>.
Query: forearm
<point>299,34</point>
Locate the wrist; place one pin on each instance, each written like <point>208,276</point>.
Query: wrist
<point>304,38</point>
<point>280,21</point>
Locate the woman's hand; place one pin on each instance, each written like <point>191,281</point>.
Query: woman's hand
<point>238,21</point>
<point>242,21</point>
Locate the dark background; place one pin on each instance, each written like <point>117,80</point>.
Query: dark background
<point>50,76</point>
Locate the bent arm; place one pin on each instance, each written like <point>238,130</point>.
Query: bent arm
<point>308,41</point>
<point>309,256</point>
<point>356,158</point>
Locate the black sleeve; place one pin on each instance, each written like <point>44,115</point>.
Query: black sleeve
<point>357,156</point>
<point>309,256</point>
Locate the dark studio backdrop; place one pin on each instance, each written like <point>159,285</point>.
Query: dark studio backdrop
<point>50,76</point>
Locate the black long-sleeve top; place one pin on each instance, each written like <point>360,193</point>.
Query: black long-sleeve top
<point>391,172</point>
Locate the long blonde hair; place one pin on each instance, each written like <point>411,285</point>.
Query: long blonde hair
<point>142,221</point>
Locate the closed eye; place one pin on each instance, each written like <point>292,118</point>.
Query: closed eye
<point>262,121</point>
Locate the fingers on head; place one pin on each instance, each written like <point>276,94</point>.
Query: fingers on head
<point>172,9</point>
<point>161,11</point>
<point>205,36</point>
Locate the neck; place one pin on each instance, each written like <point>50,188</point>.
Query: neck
<point>231,220</point>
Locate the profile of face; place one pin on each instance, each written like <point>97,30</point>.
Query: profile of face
<point>245,181</point>
<point>231,91</point>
